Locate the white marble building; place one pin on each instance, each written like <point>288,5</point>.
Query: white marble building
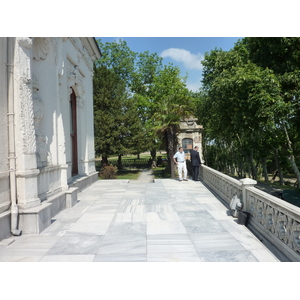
<point>47,129</point>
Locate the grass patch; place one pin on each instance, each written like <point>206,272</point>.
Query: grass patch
<point>128,174</point>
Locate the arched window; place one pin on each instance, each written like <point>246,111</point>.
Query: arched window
<point>187,145</point>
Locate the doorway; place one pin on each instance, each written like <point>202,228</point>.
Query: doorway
<point>73,134</point>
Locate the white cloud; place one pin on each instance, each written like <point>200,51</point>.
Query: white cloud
<point>190,60</point>
<point>194,86</point>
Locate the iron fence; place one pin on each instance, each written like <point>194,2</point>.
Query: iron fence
<point>127,163</point>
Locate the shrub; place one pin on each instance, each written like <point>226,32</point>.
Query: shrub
<point>109,172</point>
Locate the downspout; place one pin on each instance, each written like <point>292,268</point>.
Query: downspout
<point>11,136</point>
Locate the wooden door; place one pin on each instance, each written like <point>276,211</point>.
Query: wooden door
<point>73,133</point>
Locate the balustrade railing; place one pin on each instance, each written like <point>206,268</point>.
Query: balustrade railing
<point>268,216</point>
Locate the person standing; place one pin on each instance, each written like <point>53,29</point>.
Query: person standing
<point>181,164</point>
<point>196,162</point>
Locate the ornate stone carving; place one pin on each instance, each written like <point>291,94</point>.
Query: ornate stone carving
<point>40,48</point>
<point>70,70</point>
<point>61,69</point>
<point>62,148</point>
<point>25,94</point>
<point>42,155</point>
<point>87,58</point>
<point>54,42</point>
<point>25,42</point>
<point>38,111</point>
<point>270,219</point>
<point>295,236</point>
<point>75,78</point>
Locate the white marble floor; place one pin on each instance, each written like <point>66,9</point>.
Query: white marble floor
<point>122,221</point>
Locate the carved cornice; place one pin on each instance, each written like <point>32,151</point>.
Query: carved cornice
<point>76,79</point>
<point>40,48</point>
<point>84,54</point>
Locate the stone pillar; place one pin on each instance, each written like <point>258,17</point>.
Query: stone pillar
<point>27,172</point>
<point>4,170</point>
<point>246,182</point>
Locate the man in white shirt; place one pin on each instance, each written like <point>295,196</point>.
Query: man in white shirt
<point>181,164</point>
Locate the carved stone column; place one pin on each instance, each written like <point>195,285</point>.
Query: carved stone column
<point>27,172</point>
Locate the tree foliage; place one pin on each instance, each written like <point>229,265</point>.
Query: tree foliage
<point>140,101</point>
<point>250,102</point>
<point>173,102</point>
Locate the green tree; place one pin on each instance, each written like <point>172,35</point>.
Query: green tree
<point>173,102</point>
<point>109,96</point>
<point>251,95</point>
<point>118,57</point>
<point>137,70</point>
<point>282,55</point>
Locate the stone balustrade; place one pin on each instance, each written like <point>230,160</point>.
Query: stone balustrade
<point>269,217</point>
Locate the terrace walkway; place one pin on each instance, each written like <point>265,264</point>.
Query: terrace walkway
<point>121,220</point>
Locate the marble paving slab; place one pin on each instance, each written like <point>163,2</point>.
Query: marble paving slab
<point>76,244</point>
<point>20,258</point>
<point>123,244</point>
<point>130,217</point>
<point>67,258</point>
<point>247,240</point>
<point>188,206</point>
<point>132,201</point>
<point>162,216</point>
<point>173,257</point>
<point>203,227</point>
<point>170,248</point>
<point>159,208</point>
<point>220,214</point>
<point>57,228</point>
<point>200,216</point>
<point>131,208</point>
<point>121,257</point>
<point>118,221</point>
<point>30,246</point>
<point>92,227</point>
<point>215,242</point>
<point>227,256</point>
<point>127,228</point>
<point>264,255</point>
<point>166,227</point>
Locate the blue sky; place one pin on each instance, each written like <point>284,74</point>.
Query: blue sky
<point>185,52</point>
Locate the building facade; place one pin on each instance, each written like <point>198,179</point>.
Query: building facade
<point>47,129</point>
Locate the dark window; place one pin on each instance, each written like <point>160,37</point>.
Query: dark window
<point>187,145</point>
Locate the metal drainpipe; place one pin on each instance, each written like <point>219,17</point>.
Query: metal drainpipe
<point>11,136</point>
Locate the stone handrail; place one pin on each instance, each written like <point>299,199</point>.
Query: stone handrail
<point>225,186</point>
<point>268,216</point>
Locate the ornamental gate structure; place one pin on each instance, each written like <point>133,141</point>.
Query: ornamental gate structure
<point>190,136</point>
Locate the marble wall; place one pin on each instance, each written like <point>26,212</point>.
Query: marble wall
<point>45,71</point>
